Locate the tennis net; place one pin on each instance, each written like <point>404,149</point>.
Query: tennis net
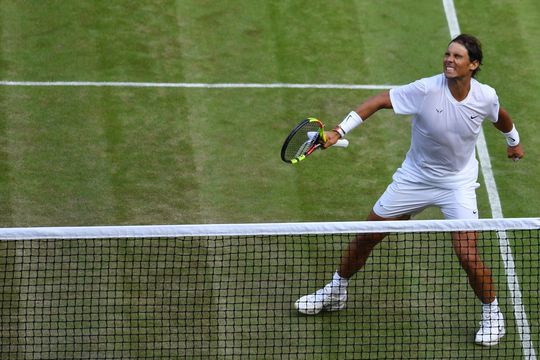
<point>228,291</point>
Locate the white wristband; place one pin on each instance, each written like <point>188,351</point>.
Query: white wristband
<point>512,137</point>
<point>350,122</point>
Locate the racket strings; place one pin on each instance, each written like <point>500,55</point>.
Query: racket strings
<point>304,148</point>
<point>302,141</point>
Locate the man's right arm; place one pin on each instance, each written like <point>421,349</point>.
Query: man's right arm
<point>374,104</point>
<point>363,112</point>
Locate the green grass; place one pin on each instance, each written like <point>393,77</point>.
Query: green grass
<point>89,156</point>
<point>113,155</point>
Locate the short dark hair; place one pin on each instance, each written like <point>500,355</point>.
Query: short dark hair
<point>473,46</point>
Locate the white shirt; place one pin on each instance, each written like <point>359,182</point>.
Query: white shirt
<point>444,130</point>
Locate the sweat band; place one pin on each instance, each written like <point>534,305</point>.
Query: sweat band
<point>350,122</point>
<point>512,137</point>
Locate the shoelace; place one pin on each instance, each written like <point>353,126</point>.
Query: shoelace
<point>330,290</point>
<point>489,320</point>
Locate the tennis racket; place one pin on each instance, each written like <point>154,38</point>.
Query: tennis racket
<point>304,139</point>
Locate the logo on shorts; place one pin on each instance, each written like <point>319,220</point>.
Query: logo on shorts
<point>439,110</point>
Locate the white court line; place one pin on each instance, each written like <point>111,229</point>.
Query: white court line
<point>520,315</point>
<point>198,85</point>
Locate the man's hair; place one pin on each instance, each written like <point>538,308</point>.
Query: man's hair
<point>474,48</point>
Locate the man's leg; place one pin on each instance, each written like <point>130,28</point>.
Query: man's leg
<point>355,256</point>
<point>334,295</point>
<point>479,275</point>
<point>481,281</point>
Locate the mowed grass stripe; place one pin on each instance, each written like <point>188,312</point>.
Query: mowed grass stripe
<point>236,135</point>
<point>148,138</point>
<point>6,209</point>
<point>150,155</point>
<point>8,30</point>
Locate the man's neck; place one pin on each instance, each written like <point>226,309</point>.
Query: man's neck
<point>459,87</point>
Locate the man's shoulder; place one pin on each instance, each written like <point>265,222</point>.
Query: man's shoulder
<point>424,85</point>
<point>480,85</point>
<point>482,89</point>
<point>432,83</point>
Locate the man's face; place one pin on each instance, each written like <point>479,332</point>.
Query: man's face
<point>456,62</point>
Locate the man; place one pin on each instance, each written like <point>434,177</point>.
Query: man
<point>440,169</point>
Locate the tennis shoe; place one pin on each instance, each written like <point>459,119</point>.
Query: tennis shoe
<point>491,329</point>
<point>329,298</point>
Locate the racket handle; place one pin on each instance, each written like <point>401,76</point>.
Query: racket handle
<point>342,143</point>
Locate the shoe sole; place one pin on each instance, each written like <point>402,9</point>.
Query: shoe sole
<point>337,307</point>
<point>315,311</point>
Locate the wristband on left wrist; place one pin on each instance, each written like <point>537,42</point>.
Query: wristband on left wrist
<point>512,137</point>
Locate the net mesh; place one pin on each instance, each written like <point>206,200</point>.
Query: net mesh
<point>195,296</point>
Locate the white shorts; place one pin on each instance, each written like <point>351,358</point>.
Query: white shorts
<point>403,197</point>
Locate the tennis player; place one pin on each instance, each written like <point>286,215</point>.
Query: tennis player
<point>440,169</point>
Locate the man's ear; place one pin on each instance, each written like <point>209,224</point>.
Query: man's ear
<point>474,65</point>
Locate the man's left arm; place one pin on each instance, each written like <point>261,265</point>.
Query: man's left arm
<point>505,125</point>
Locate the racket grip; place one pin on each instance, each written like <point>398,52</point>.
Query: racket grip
<point>342,143</point>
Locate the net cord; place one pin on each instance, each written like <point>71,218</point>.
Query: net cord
<point>293,228</point>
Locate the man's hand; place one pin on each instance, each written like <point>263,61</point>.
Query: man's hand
<point>331,138</point>
<point>515,152</point>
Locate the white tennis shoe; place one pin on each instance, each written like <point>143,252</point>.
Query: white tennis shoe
<point>491,329</point>
<point>329,298</point>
